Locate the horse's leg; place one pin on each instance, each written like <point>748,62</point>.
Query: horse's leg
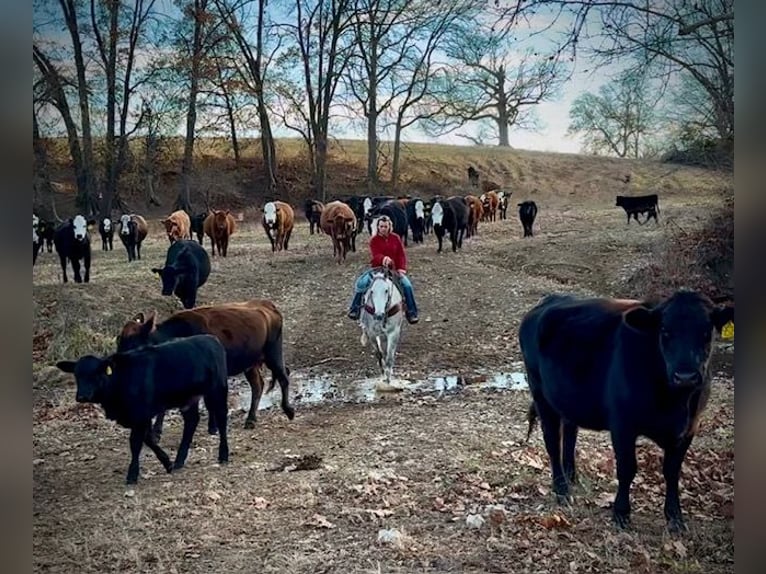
<point>379,353</point>
<point>391,344</point>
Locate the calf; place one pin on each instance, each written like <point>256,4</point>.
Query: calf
<point>198,226</point>
<point>72,242</point>
<point>339,222</point>
<point>218,226</point>
<point>450,215</point>
<point>134,386</point>
<point>502,206</point>
<point>527,214</point>
<point>177,226</point>
<point>416,217</point>
<point>133,231</point>
<point>475,211</point>
<point>278,221</point>
<point>251,333</point>
<point>624,366</point>
<point>633,205</point>
<point>313,210</point>
<point>46,230</point>
<point>396,212</point>
<point>489,201</point>
<point>106,231</point>
<point>473,176</point>
<point>187,267</point>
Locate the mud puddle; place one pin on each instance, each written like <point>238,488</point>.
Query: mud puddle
<point>310,389</point>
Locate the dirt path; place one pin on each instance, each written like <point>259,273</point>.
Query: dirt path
<point>418,464</point>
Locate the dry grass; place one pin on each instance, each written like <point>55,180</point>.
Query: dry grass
<point>417,464</point>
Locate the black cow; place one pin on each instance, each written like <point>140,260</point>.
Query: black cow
<point>527,215</point>
<point>134,386</point>
<point>504,200</point>
<point>313,210</point>
<point>396,212</point>
<point>629,367</point>
<point>416,217</point>
<point>72,242</point>
<point>368,207</point>
<point>197,226</point>
<point>633,205</point>
<point>473,176</point>
<point>46,230</point>
<point>106,230</point>
<point>187,267</point>
<point>450,215</point>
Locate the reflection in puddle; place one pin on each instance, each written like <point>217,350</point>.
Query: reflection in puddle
<point>320,389</point>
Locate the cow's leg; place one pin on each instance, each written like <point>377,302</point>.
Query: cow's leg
<point>439,240</point>
<point>287,237</point>
<point>624,444</point>
<point>253,376</point>
<point>218,405</point>
<point>550,422</point>
<point>157,427</point>
<point>76,269</point>
<point>190,414</point>
<point>87,266</point>
<point>274,359</point>
<point>62,258</point>
<point>671,469</point>
<point>137,435</point>
<point>568,455</point>
<point>212,423</point>
<point>161,455</point>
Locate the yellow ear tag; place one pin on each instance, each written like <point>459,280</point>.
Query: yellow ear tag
<point>108,370</point>
<point>727,332</point>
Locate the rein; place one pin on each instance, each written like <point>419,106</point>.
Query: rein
<point>392,310</point>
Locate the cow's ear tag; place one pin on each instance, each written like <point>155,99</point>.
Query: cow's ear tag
<point>727,332</point>
<point>108,370</point>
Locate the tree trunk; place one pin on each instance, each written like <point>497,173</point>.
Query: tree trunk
<point>321,166</point>
<point>267,138</point>
<point>42,202</point>
<point>110,159</point>
<point>372,113</point>
<point>397,149</point>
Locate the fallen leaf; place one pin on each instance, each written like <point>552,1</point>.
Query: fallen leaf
<point>319,521</point>
<point>555,521</point>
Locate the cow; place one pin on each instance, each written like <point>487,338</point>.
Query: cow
<point>251,333</point>
<point>177,226</point>
<point>133,231</point>
<point>198,225</point>
<point>488,185</point>
<point>396,212</point>
<point>37,241</point>
<point>339,222</point>
<point>278,220</point>
<point>489,201</point>
<point>450,216</point>
<point>633,368</point>
<point>134,386</point>
<point>475,211</point>
<point>428,207</point>
<point>633,205</point>
<point>313,210</point>
<point>502,206</point>
<point>46,231</point>
<point>219,226</point>
<point>106,231</point>
<point>187,267</point>
<point>368,206</point>
<point>416,217</point>
<point>473,176</point>
<point>72,242</point>
<point>527,214</point>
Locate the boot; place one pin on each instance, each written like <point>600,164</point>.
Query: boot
<point>356,306</point>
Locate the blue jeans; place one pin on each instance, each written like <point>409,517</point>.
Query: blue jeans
<point>364,281</point>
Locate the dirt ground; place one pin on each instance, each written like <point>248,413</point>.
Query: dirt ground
<point>419,464</point>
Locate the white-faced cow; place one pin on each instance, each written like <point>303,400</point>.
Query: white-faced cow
<point>133,230</point>
<point>106,230</point>
<point>72,242</point>
<point>450,216</point>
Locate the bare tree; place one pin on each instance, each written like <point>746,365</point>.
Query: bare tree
<point>618,118</point>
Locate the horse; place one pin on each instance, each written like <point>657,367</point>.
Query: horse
<point>381,318</point>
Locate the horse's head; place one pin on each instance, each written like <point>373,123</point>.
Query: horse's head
<point>378,296</point>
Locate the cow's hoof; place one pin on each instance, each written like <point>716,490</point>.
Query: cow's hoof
<point>290,413</point>
<point>677,525</point>
<point>250,424</point>
<point>563,499</point>
<point>621,521</point>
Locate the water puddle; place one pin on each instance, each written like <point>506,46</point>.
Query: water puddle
<point>308,389</point>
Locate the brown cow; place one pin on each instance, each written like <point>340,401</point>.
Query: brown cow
<point>178,225</point>
<point>489,201</point>
<point>475,210</point>
<point>488,185</point>
<point>339,222</point>
<point>278,218</point>
<point>219,225</point>
<point>250,331</point>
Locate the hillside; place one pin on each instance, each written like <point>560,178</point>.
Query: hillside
<point>426,169</point>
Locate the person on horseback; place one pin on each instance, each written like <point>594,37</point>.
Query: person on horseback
<point>386,250</point>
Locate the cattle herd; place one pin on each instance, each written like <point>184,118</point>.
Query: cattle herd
<point>638,368</point>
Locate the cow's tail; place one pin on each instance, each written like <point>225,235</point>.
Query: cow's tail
<point>531,418</point>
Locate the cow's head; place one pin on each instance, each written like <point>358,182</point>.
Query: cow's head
<point>618,202</point>
<point>683,325</point>
<point>107,223</point>
<point>367,205</point>
<point>35,221</point>
<point>220,219</point>
<point>136,332</point>
<point>172,229</point>
<point>420,209</point>
<point>92,375</point>
<point>170,276</point>
<point>437,214</point>
<point>270,214</point>
<point>80,229</point>
<point>125,224</point>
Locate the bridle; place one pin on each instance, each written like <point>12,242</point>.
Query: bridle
<point>391,310</point>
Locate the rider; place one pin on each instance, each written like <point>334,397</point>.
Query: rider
<point>386,250</point>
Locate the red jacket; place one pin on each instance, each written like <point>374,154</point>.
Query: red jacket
<point>390,246</point>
